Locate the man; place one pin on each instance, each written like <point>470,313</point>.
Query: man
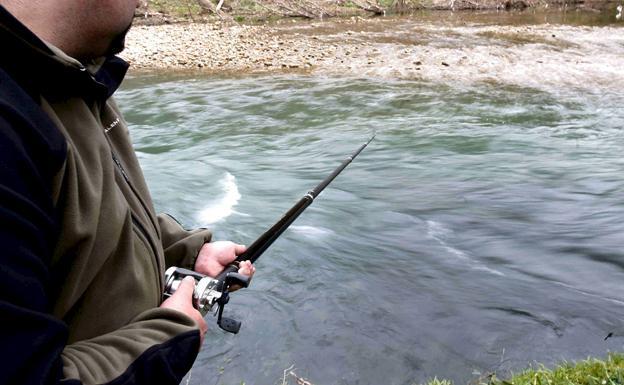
<point>83,253</point>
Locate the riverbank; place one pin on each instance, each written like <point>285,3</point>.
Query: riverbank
<point>524,49</point>
<point>592,371</point>
<point>250,11</point>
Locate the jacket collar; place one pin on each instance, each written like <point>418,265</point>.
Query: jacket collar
<point>44,70</point>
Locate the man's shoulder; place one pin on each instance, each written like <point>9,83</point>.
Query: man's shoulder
<point>15,99</point>
<point>23,123</point>
<point>11,93</point>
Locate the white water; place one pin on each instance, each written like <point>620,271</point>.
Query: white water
<point>223,207</point>
<point>311,231</point>
<point>440,234</point>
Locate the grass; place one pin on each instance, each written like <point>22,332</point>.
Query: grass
<point>190,8</point>
<point>240,10</point>
<point>592,371</point>
<point>178,8</point>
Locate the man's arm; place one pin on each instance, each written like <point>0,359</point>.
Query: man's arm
<point>157,347</point>
<point>32,340</point>
<point>181,246</point>
<point>193,249</point>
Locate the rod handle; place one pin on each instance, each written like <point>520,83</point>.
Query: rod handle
<point>231,268</point>
<point>230,277</point>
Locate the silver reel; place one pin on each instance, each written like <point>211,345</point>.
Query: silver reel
<point>209,291</point>
<point>206,294</point>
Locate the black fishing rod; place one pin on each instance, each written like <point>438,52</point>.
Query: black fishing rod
<point>263,242</point>
<point>209,291</point>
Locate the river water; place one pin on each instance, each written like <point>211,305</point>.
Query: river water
<point>480,232</point>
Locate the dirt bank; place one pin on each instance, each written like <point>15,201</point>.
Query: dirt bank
<point>435,49</point>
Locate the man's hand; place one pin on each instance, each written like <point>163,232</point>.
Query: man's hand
<point>215,256</point>
<point>182,301</point>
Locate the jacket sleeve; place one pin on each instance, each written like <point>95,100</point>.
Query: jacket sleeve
<point>181,246</point>
<point>157,347</point>
<point>32,340</point>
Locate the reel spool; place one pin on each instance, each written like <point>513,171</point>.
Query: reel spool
<point>208,293</point>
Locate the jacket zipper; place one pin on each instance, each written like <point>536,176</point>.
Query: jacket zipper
<point>140,227</point>
<point>135,219</point>
<point>136,193</point>
<point>107,128</point>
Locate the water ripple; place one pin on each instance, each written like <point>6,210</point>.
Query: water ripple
<point>482,219</point>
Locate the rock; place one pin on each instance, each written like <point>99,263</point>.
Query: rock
<point>516,4</point>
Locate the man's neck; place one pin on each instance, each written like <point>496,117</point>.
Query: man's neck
<point>42,19</point>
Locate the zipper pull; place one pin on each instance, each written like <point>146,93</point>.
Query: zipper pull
<point>118,163</point>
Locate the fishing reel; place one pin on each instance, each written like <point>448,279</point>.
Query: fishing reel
<point>208,292</point>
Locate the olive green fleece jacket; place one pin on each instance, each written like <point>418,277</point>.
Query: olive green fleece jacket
<point>117,246</point>
<point>111,249</point>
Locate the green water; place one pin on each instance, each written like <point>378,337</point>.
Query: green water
<point>481,231</point>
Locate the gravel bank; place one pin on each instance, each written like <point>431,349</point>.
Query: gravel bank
<point>526,55</point>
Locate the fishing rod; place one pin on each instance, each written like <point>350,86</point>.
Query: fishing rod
<point>210,291</point>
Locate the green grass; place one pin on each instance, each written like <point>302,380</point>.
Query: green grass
<point>592,371</point>
<point>175,7</point>
<point>189,8</point>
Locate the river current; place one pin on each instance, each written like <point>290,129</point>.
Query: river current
<point>481,231</point>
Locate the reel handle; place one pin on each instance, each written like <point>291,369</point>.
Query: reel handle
<point>227,278</point>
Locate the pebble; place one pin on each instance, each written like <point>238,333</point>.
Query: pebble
<point>326,48</point>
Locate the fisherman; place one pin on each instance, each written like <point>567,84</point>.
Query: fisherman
<point>82,252</point>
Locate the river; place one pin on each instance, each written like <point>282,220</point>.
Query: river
<point>481,231</point>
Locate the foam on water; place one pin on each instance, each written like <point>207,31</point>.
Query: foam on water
<point>440,233</point>
<point>311,231</point>
<point>223,207</point>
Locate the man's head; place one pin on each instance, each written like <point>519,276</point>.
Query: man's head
<point>84,29</point>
